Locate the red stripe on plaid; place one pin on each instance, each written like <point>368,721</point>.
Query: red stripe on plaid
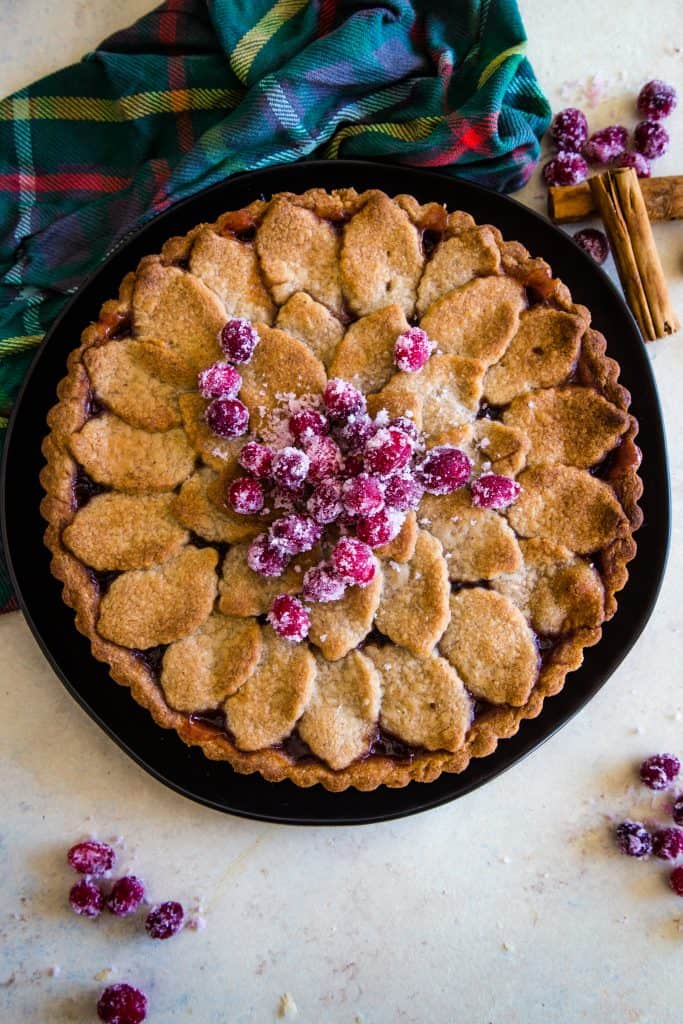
<point>11,606</point>
<point>77,181</point>
<point>328,11</point>
<point>178,81</point>
<point>475,138</point>
<point>162,172</point>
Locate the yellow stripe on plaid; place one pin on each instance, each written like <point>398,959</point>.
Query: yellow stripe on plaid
<point>407,131</point>
<point>491,68</point>
<point>4,422</point>
<point>249,46</point>
<point>126,108</point>
<point>11,346</point>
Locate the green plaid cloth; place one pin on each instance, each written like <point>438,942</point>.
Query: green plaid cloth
<point>200,89</point>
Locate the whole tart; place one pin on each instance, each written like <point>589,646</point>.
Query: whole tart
<point>476,608</point>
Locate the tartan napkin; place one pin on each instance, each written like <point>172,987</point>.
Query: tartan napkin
<point>200,89</point>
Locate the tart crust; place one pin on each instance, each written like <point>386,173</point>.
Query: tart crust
<point>404,269</point>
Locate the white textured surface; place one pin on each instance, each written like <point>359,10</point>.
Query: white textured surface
<point>508,907</point>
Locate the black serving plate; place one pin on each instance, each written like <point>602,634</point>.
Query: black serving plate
<point>161,752</point>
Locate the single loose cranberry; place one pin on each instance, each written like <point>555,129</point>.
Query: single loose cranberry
<point>122,1004</point>
<point>86,899</point>
<point>354,561</point>
<point>412,350</point>
<point>402,492</point>
<point>245,496</point>
<point>651,139</point>
<point>637,161</point>
<point>606,145</point>
<point>219,381</point>
<point>165,920</point>
<point>356,431</point>
<point>323,584</point>
<point>390,449</point>
<point>677,811</point>
<point>305,424</point>
<point>227,417</point>
<point>265,557</point>
<point>565,169</point>
<point>667,843</point>
<point>126,896</point>
<point>656,100</point>
<point>91,858</point>
<point>633,839</point>
<point>256,458</point>
<point>362,495</point>
<point>494,491</point>
<point>381,528</point>
<point>295,533</point>
<point>325,503</point>
<point>444,469</point>
<point>238,339</point>
<point>341,399</point>
<point>594,243</point>
<point>290,468</point>
<point>289,618</point>
<point>324,458</point>
<point>659,771</point>
<point>569,129</point>
<point>676,880</point>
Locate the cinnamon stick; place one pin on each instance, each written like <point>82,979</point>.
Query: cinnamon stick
<point>663,200</point>
<point>618,199</point>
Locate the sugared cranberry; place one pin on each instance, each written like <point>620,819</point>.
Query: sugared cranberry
<point>444,469</point>
<point>356,431</point>
<point>325,503</point>
<point>227,417</point>
<point>219,381</point>
<point>381,528</point>
<point>362,495</point>
<point>265,557</point>
<point>569,129</point>
<point>305,424</point>
<point>239,338</point>
<point>676,880</point>
<point>656,100</point>
<point>86,898</point>
<point>659,771</point>
<point>667,843</point>
<point>606,145</point>
<point>565,169</point>
<point>494,491</point>
<point>354,561</point>
<point>353,465</point>
<point>402,492</point>
<point>165,920</point>
<point>341,399</point>
<point>289,618</point>
<point>406,425</point>
<point>637,161</point>
<point>126,896</point>
<point>290,468</point>
<point>256,458</point>
<point>245,496</point>
<point>283,500</point>
<point>412,350</point>
<point>651,139</point>
<point>323,584</point>
<point>390,449</point>
<point>324,458</point>
<point>122,1004</point>
<point>677,811</point>
<point>91,858</point>
<point>295,533</point>
<point>633,839</point>
<point>594,243</point>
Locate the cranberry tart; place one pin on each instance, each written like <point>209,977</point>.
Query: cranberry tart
<point>341,486</point>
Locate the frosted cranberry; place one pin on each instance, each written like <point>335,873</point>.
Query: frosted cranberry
<point>295,533</point>
<point>354,561</point>
<point>126,896</point>
<point>307,424</point>
<point>86,898</point>
<point>493,491</point>
<point>91,858</point>
<point>283,500</point>
<point>323,584</point>
<point>402,493</point>
<point>245,496</point>
<point>633,839</point>
<point>289,618</point>
<point>444,470</point>
<point>406,425</point>
<point>290,467</point>
<point>325,503</point>
<point>569,129</point>
<point>219,381</point>
<point>637,161</point>
<point>165,920</point>
<point>324,458</point>
<point>565,169</point>
<point>656,100</point>
<point>651,139</point>
<point>257,458</point>
<point>357,431</point>
<point>227,417</point>
<point>379,529</point>
<point>265,557</point>
<point>390,449</point>
<point>676,880</point>
<point>362,495</point>
<point>412,350</point>
<point>659,771</point>
<point>353,465</point>
<point>594,243</point>
<point>341,399</point>
<point>606,145</point>
<point>239,338</point>
<point>122,1004</point>
<point>677,811</point>
<point>667,843</point>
